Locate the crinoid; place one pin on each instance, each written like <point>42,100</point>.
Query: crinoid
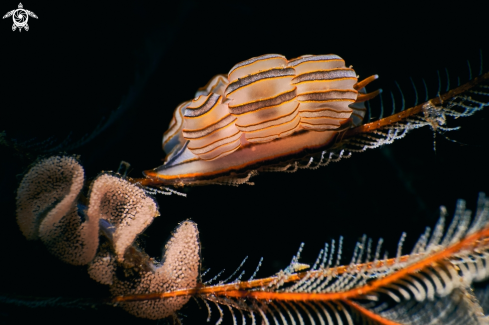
<point>432,283</point>
<point>154,259</point>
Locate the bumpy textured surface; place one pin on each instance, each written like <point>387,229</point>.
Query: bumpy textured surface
<point>45,185</point>
<point>47,209</point>
<point>125,206</point>
<point>102,267</point>
<point>48,206</point>
<point>179,269</point>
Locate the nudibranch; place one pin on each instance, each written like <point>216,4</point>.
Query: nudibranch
<point>267,110</point>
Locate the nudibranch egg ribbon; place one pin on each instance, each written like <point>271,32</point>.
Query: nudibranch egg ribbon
<point>267,109</point>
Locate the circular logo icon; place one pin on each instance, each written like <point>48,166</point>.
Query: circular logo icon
<point>20,17</point>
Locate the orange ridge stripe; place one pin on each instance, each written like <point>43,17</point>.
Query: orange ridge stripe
<point>222,153</point>
<point>311,61</point>
<point>233,69</point>
<point>196,148</point>
<point>255,82</point>
<point>275,125</point>
<point>264,108</point>
<point>324,80</point>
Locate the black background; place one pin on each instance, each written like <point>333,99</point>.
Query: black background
<point>81,61</point>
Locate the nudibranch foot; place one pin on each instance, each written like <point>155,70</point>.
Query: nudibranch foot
<point>246,158</point>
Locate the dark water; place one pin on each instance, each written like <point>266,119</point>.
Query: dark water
<point>79,62</point>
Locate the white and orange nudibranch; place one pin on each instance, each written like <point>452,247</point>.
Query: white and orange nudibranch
<point>267,109</point>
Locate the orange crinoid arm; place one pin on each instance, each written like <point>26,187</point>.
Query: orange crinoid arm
<point>438,271</point>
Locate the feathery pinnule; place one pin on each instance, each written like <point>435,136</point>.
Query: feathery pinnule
<point>179,270</point>
<point>125,206</point>
<point>47,209</point>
